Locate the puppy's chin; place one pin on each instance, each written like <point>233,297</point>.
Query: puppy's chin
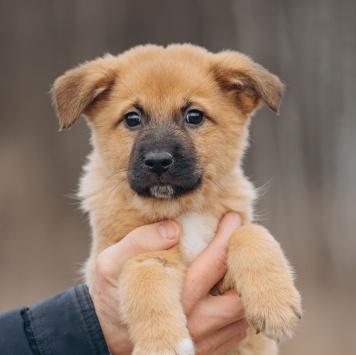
<point>160,202</point>
<point>166,192</point>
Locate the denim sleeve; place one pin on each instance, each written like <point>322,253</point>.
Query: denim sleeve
<point>63,324</point>
<point>13,339</point>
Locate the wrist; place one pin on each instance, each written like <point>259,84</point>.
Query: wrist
<point>115,334</point>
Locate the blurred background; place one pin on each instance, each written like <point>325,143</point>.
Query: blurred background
<point>305,160</point>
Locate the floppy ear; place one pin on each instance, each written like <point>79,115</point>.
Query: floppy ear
<point>76,90</point>
<point>247,81</point>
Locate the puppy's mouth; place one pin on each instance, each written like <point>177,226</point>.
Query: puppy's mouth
<point>167,191</point>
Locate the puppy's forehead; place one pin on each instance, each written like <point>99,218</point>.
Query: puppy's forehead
<point>164,80</point>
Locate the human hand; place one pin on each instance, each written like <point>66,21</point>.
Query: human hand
<point>104,286</point>
<point>214,322</point>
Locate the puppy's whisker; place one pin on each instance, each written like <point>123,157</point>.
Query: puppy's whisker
<point>111,201</point>
<point>118,189</point>
<point>217,184</point>
<point>107,179</point>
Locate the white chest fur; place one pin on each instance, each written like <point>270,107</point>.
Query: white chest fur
<point>198,232</point>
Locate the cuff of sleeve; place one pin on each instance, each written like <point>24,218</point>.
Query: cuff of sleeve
<point>66,324</point>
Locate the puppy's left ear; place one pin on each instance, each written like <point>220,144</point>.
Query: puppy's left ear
<point>75,91</point>
<point>247,82</point>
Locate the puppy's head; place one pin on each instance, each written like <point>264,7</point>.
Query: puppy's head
<point>170,122</point>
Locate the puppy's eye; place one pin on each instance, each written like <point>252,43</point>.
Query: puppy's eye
<point>132,119</point>
<point>194,117</point>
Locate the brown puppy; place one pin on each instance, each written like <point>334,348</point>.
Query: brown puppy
<point>169,129</point>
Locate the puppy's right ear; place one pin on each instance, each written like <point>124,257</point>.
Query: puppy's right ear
<point>75,91</point>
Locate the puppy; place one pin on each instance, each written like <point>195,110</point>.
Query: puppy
<point>169,130</point>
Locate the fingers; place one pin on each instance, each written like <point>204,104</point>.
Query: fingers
<point>224,339</point>
<point>210,266</point>
<point>231,343</point>
<point>228,224</point>
<point>153,237</point>
<point>213,313</point>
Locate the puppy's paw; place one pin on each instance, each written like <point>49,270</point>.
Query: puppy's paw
<point>261,274</point>
<point>274,310</point>
<point>184,347</point>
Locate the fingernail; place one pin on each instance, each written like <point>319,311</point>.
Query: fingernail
<point>169,230</point>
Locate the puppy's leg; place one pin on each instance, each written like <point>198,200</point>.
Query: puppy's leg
<point>150,288</point>
<point>261,274</point>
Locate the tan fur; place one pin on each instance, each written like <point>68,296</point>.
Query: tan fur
<point>228,87</point>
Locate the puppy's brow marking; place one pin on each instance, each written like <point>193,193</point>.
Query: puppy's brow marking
<point>185,107</point>
<point>188,104</point>
<point>137,106</point>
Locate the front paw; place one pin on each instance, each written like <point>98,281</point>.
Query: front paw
<point>165,347</point>
<point>273,308</point>
<point>261,274</point>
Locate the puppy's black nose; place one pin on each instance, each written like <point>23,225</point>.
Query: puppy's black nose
<point>158,162</point>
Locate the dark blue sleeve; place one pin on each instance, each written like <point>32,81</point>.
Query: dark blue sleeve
<point>63,324</point>
<point>13,339</point>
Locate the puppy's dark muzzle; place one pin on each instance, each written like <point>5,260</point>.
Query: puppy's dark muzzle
<point>163,162</point>
<point>158,162</point>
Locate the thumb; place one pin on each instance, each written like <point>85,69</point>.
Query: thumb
<point>210,266</point>
<point>152,237</point>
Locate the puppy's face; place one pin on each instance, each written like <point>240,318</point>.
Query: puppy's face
<point>167,122</point>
